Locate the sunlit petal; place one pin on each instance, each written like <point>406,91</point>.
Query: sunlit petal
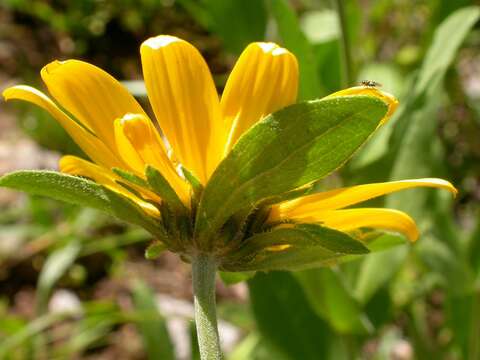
<point>126,150</point>
<point>146,146</point>
<point>90,144</point>
<point>90,94</point>
<point>343,197</point>
<point>352,219</point>
<point>185,102</point>
<point>264,79</point>
<point>75,166</point>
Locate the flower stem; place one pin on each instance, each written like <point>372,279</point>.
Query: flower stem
<point>203,276</point>
<point>345,54</point>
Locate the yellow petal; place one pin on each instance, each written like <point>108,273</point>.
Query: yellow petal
<point>90,144</point>
<point>387,98</point>
<point>148,148</point>
<point>185,102</point>
<point>340,198</point>
<point>75,166</point>
<point>126,150</point>
<point>264,80</point>
<point>352,219</point>
<point>91,95</point>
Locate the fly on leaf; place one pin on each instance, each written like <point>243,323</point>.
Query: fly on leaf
<point>370,83</point>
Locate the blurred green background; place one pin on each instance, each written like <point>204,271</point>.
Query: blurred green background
<point>74,284</point>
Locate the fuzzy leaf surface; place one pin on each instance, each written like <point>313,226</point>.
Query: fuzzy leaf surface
<point>286,150</point>
<point>79,191</point>
<point>310,245</point>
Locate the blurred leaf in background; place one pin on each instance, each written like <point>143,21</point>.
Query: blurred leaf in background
<point>419,302</point>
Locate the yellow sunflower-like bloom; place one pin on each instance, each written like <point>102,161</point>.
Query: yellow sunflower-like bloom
<point>116,133</point>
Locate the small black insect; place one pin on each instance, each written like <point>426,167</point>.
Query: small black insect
<point>370,83</point>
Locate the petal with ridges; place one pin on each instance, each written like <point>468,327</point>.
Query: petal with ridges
<point>389,99</point>
<point>76,166</point>
<point>340,198</point>
<point>93,147</point>
<point>352,219</point>
<point>264,80</point>
<point>148,146</point>
<point>185,101</point>
<point>90,94</point>
<point>126,150</point>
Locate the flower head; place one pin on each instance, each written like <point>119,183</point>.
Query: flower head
<point>167,174</point>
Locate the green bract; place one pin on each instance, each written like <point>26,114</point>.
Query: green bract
<point>283,152</point>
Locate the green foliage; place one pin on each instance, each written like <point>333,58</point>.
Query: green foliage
<point>425,296</point>
<point>56,265</point>
<point>82,192</point>
<point>290,148</point>
<point>294,40</point>
<point>308,245</point>
<point>236,22</point>
<point>164,190</point>
<point>154,250</point>
<point>332,300</point>
<point>285,317</point>
<point>151,324</point>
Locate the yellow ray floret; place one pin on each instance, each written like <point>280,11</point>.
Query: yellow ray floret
<point>91,95</point>
<point>389,99</point>
<point>126,150</point>
<point>381,219</point>
<point>146,146</point>
<point>75,166</point>
<point>264,80</point>
<point>93,147</point>
<point>340,198</point>
<point>185,101</point>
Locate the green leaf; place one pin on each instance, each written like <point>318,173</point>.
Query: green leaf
<point>447,40</point>
<point>196,185</point>
<point>79,191</point>
<point>154,250</point>
<point>376,270</point>
<point>230,278</point>
<point>310,245</point>
<point>237,22</point>
<point>332,300</point>
<point>286,150</point>
<point>161,186</point>
<point>194,348</point>
<point>151,324</point>
<point>411,138</point>
<point>457,276</point>
<point>27,332</point>
<point>57,263</point>
<point>463,316</point>
<point>285,317</point>
<point>296,41</point>
<point>134,179</point>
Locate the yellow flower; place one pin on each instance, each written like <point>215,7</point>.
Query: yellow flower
<point>327,208</point>
<point>116,133</point>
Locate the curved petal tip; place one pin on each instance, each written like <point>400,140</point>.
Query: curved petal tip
<point>160,41</point>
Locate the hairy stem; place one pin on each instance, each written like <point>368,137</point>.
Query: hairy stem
<point>203,275</point>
